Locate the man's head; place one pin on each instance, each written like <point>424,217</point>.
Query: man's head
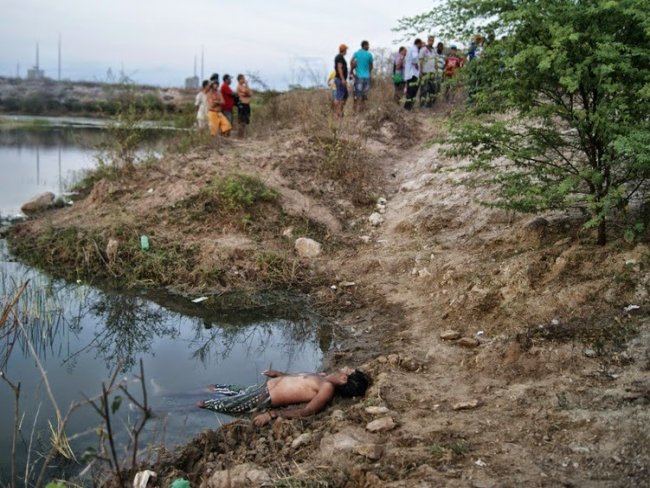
<point>226,79</point>
<point>402,50</point>
<point>343,49</point>
<point>440,47</point>
<point>241,79</point>
<point>214,77</point>
<point>430,40</point>
<point>205,84</point>
<point>418,42</point>
<point>453,50</point>
<point>365,45</point>
<point>350,382</point>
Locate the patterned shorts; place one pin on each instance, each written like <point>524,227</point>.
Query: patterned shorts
<point>233,399</point>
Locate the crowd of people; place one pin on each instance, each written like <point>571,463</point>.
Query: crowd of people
<point>419,73</point>
<point>215,104</point>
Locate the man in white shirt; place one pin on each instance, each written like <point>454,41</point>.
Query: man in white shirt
<point>201,102</point>
<point>428,66</point>
<point>412,73</point>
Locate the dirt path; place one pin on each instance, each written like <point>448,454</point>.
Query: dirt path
<point>500,411</point>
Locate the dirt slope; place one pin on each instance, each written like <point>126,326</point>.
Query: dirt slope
<point>549,384</point>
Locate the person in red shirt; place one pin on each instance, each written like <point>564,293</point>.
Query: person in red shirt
<point>228,98</point>
<point>452,64</point>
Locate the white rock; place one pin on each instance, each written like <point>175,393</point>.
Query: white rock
<point>467,405</point>
<point>288,232</point>
<point>382,201</point>
<point>301,440</point>
<point>365,239</point>
<point>307,248</point>
<point>344,442</point>
<point>241,476</point>
<point>375,219</point>
<point>38,203</point>
<point>374,410</point>
<point>383,424</point>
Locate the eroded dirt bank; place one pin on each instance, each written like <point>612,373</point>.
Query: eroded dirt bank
<point>500,345</point>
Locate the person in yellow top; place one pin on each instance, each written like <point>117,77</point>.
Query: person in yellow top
<point>217,121</point>
<point>331,84</point>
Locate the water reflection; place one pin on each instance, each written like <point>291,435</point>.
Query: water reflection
<point>81,333</point>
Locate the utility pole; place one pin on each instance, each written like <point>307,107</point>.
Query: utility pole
<point>17,70</point>
<point>37,55</point>
<point>202,77</point>
<point>195,66</point>
<point>59,70</point>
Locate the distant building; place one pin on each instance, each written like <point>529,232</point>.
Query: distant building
<point>35,73</point>
<point>192,83</point>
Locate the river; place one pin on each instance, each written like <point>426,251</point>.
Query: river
<point>82,332</point>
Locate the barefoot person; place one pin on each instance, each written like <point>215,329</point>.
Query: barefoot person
<point>217,122</point>
<point>283,389</point>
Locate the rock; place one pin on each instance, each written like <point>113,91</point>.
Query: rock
<point>347,284</point>
<point>590,353</point>
<point>382,201</point>
<point>241,476</point>
<point>468,342</point>
<point>383,424</point>
<point>382,359</point>
<point>375,219</point>
<point>374,410</point>
<point>450,335</point>
<point>466,405</point>
<point>111,250</point>
<point>393,359</point>
<point>307,248</point>
<point>301,440</point>
<point>288,232</point>
<point>370,451</point>
<point>338,415</point>
<point>365,239</point>
<point>38,203</point>
<point>410,364</point>
<point>344,442</point>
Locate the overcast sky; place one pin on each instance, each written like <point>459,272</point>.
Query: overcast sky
<point>156,41</point>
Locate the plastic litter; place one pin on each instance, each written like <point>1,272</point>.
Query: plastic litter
<point>142,478</point>
<point>144,243</point>
<point>180,483</point>
<point>199,300</point>
<point>629,308</point>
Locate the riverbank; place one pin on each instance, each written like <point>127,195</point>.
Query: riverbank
<point>503,347</point>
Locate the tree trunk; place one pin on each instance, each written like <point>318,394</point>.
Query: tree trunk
<point>602,232</point>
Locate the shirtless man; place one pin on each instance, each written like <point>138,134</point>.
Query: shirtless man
<point>283,389</point>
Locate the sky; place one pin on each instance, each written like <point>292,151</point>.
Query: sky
<point>156,41</point>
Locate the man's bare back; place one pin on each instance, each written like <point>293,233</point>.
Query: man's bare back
<point>314,390</point>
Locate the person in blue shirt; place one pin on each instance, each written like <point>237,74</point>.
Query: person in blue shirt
<point>361,65</point>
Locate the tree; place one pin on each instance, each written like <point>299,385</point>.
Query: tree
<point>561,93</point>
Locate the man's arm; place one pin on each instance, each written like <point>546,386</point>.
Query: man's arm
<point>324,395</point>
<point>273,373</point>
<point>339,71</point>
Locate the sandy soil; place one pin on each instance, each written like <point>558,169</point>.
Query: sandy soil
<point>547,384</point>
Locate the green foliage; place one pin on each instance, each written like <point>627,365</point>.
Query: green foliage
<point>562,94</point>
<point>243,191</point>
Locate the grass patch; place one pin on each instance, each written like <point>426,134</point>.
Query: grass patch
<point>449,448</point>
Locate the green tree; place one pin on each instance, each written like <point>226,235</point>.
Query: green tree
<point>560,112</point>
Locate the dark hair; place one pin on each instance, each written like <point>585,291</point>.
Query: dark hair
<point>215,76</point>
<point>205,83</point>
<point>365,44</point>
<point>226,77</point>
<point>239,77</point>
<point>356,385</point>
<point>417,41</point>
<point>401,48</point>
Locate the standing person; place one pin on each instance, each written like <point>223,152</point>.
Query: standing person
<point>228,98</point>
<point>341,80</point>
<point>362,63</point>
<point>331,84</point>
<point>440,68</point>
<point>217,121</point>
<point>244,106</point>
<point>201,102</point>
<point>412,73</point>
<point>427,57</point>
<point>452,64</point>
<point>398,73</point>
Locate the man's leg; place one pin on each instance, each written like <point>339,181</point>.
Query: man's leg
<point>411,92</point>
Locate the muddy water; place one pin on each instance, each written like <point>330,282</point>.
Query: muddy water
<point>81,334</point>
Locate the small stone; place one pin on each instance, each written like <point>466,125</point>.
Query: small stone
<point>580,449</point>
<point>466,405</point>
<point>370,451</point>
<point>374,410</point>
<point>383,424</point>
<point>450,335</point>
<point>393,359</point>
<point>338,415</point>
<point>382,359</point>
<point>365,239</point>
<point>590,353</point>
<point>288,232</point>
<point>347,284</point>
<point>382,201</point>
<point>375,219</point>
<point>468,342</point>
<point>38,203</point>
<point>307,248</point>
<point>301,440</point>
<point>111,250</point>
